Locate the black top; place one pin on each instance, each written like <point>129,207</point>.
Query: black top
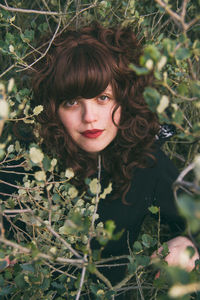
<point>150,186</point>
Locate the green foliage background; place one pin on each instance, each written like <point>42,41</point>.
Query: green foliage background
<point>54,259</point>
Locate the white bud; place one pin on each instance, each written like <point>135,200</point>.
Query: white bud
<point>38,109</point>
<point>40,176</point>
<point>69,173</point>
<point>161,63</point>
<point>4,109</point>
<point>12,19</point>
<point>36,155</point>
<point>54,162</point>
<point>11,49</point>
<point>175,106</point>
<point>164,102</point>
<point>94,186</point>
<point>10,149</point>
<point>72,192</point>
<point>11,83</point>
<point>149,64</point>
<point>197,167</point>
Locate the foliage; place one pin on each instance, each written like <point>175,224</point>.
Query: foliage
<point>51,223</point>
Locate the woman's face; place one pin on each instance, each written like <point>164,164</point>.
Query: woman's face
<point>89,121</point>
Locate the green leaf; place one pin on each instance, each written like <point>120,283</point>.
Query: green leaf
<point>20,282</point>
<point>148,241</point>
<point>152,52</point>
<point>46,163</point>
<point>182,53</point>
<point>132,267</point>
<point>190,209</point>
<point>142,260</point>
<point>56,198</point>
<point>28,267</point>
<point>1,281</point>
<point>153,209</point>
<point>3,264</point>
<point>177,275</point>
<point>178,117</point>
<point>137,246</point>
<point>45,284</point>
<point>195,88</point>
<point>139,70</point>
<point>8,275</point>
<point>191,251</point>
<point>165,249</point>
<point>183,89</point>
<point>6,290</point>
<point>152,98</point>
<point>110,227</point>
<point>91,268</point>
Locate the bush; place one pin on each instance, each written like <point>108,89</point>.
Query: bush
<point>50,224</point>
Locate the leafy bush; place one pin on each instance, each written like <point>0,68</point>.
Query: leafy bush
<point>51,223</point>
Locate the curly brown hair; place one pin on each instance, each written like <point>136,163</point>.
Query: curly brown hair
<point>82,63</point>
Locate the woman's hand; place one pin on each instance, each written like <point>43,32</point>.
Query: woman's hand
<point>178,253</point>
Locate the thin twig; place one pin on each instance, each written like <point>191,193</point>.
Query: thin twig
<point>139,286</point>
<point>17,186</point>
<point>178,95</point>
<point>50,229</point>
<point>179,19</point>
<point>47,7</point>
<point>81,280</point>
<point>168,10</point>
<point>8,69</point>
<point>16,211</point>
<point>123,282</point>
<point>103,278</point>
<point>59,271</point>
<point>41,255</point>
<point>111,259</point>
<point>184,6</point>
<point>184,172</point>
<point>97,193</point>
<point>30,11</point>
<point>49,45</point>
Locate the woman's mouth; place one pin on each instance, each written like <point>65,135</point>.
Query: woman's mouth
<point>92,134</point>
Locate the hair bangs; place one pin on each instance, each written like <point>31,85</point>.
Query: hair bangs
<point>85,72</point>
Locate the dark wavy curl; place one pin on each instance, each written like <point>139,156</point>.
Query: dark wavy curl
<point>81,63</point>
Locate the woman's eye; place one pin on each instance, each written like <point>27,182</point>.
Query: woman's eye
<point>70,103</point>
<point>103,98</point>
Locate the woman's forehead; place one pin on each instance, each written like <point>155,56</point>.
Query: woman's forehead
<point>108,89</point>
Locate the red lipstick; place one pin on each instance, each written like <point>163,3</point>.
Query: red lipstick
<point>92,134</point>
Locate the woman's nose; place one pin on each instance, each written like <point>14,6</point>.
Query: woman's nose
<point>89,112</point>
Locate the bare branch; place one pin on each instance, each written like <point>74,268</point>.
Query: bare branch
<point>81,280</point>
<point>174,15</point>
<point>50,229</point>
<point>59,271</point>
<point>184,6</point>
<point>41,255</point>
<point>184,172</point>
<point>16,211</point>
<point>8,69</point>
<point>103,278</point>
<point>49,45</point>
<point>191,23</point>
<point>30,11</point>
<point>179,19</point>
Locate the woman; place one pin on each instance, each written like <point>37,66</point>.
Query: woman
<point>93,105</point>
